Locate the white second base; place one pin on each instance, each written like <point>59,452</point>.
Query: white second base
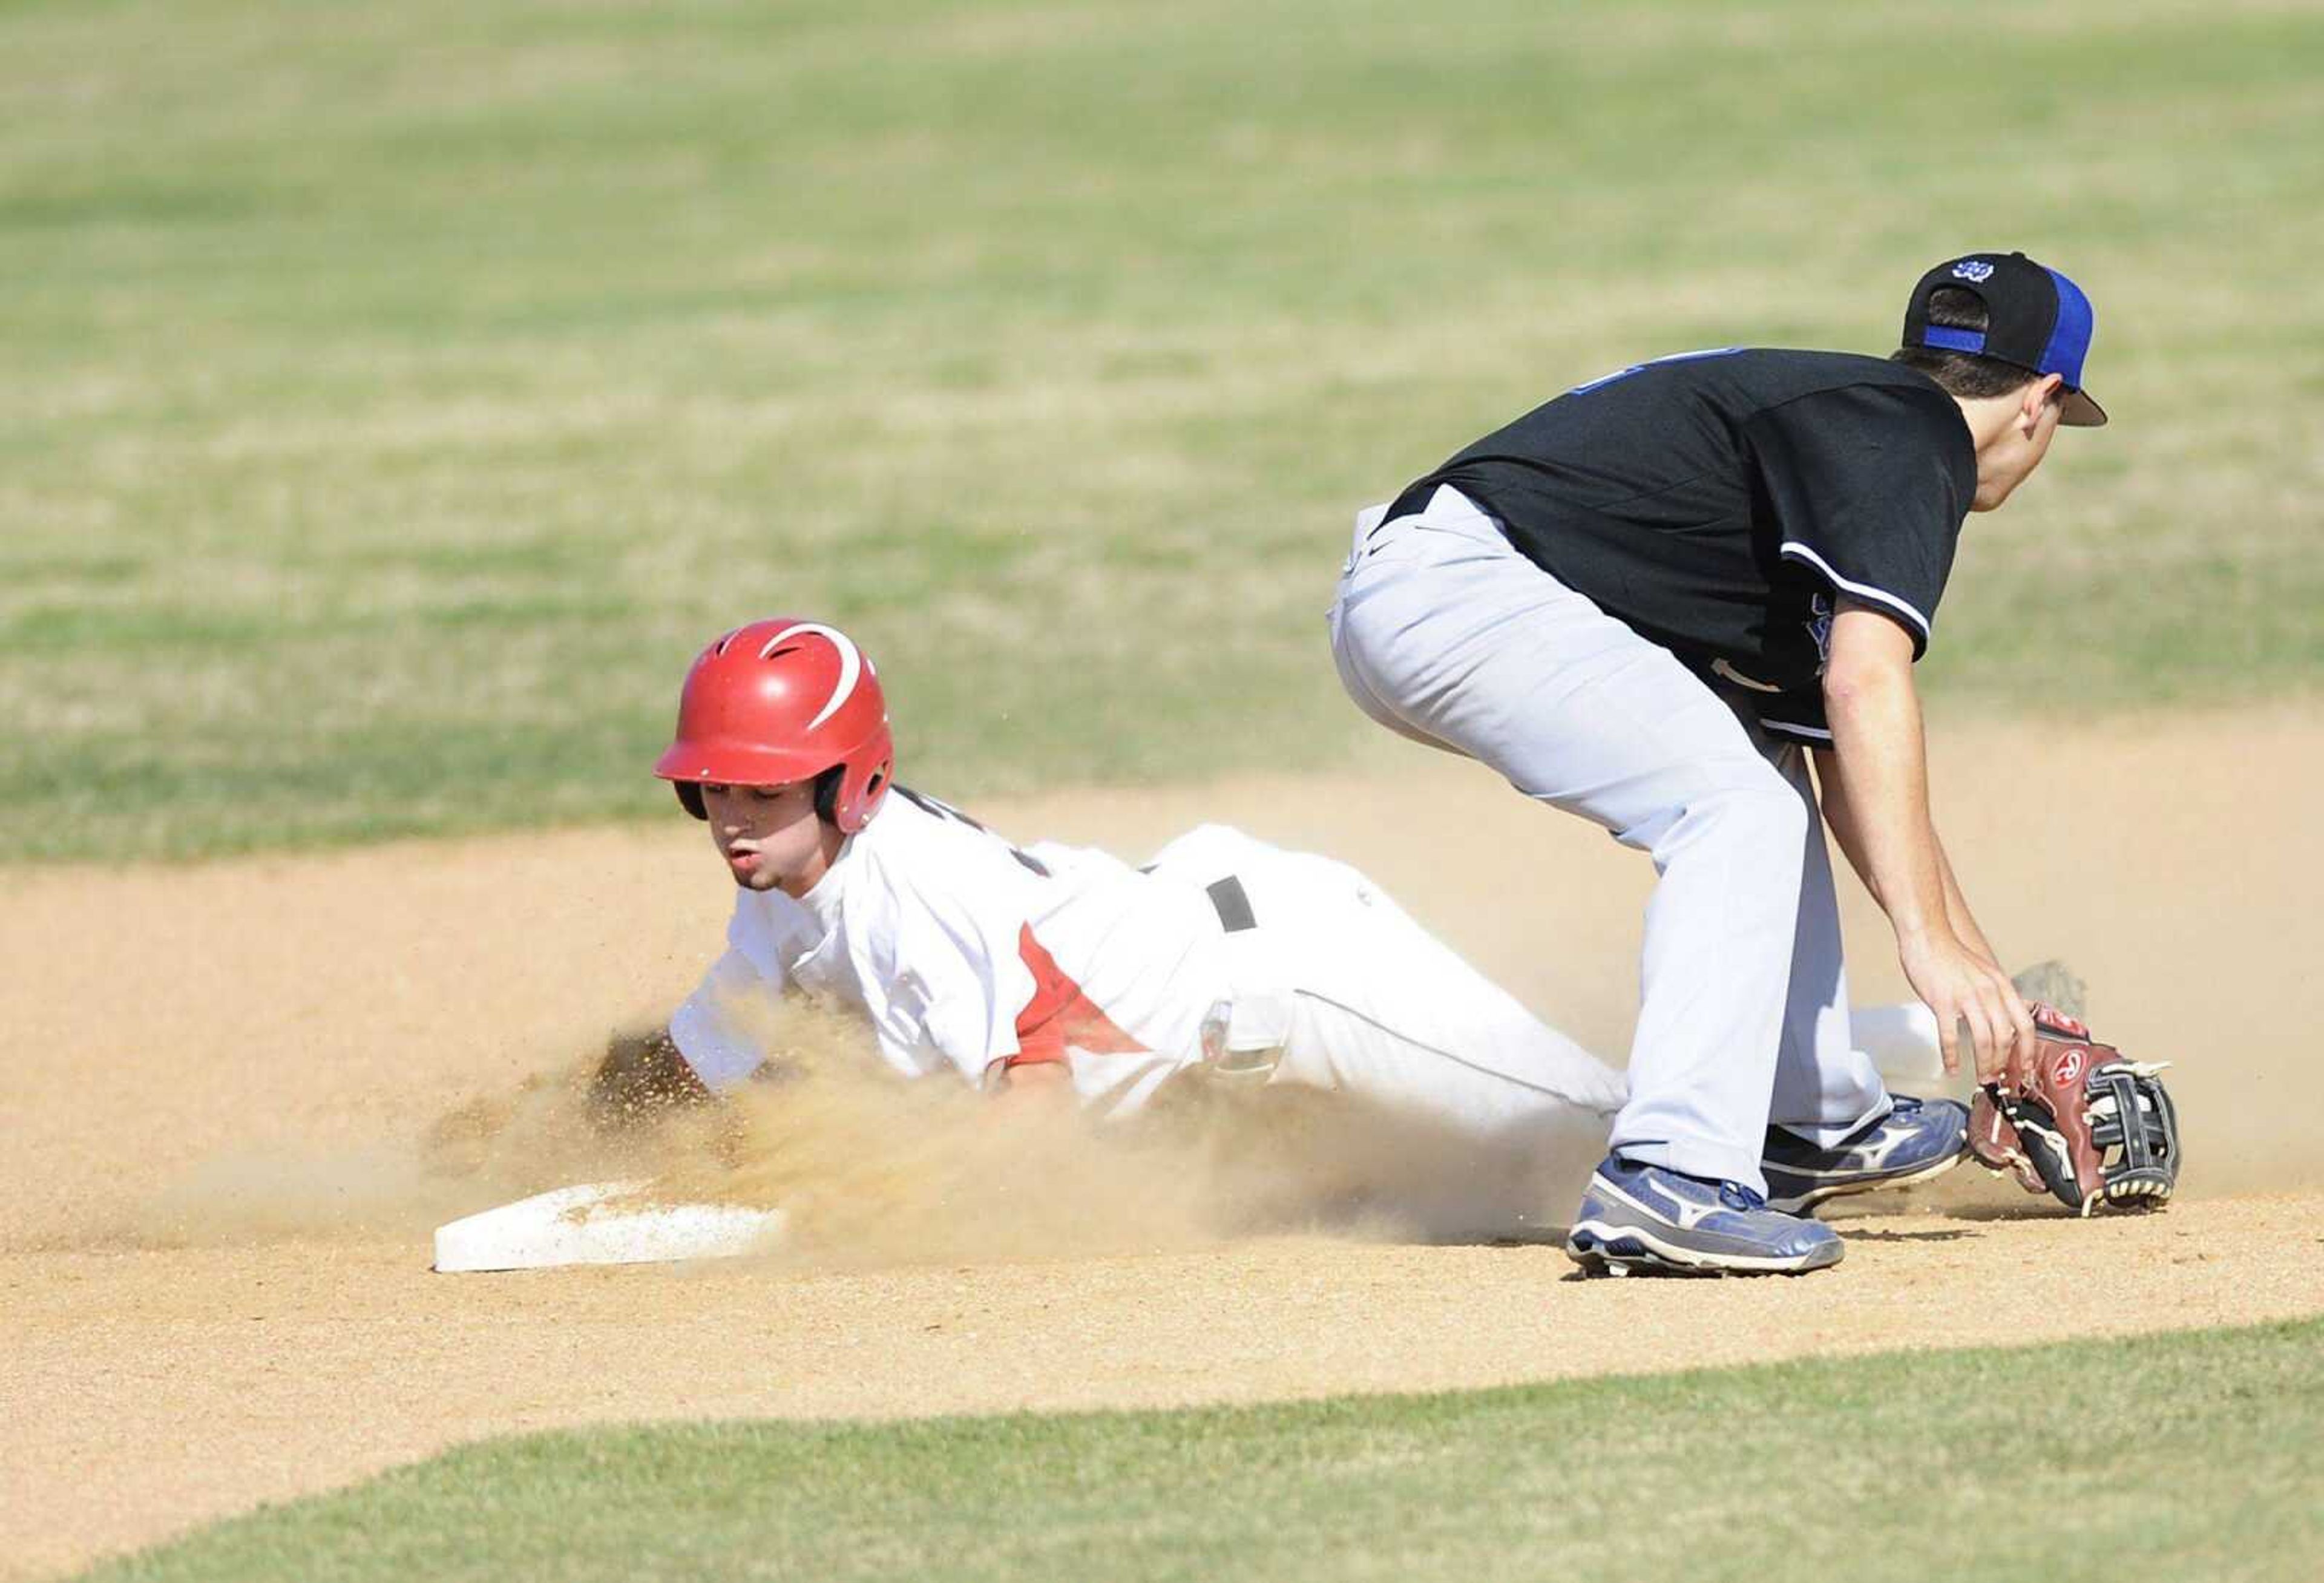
<point>569,1227</point>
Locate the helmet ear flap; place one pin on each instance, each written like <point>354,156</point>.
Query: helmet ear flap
<point>846,796</point>
<point>689,798</point>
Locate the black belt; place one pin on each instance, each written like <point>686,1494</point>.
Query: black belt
<point>1232,905</point>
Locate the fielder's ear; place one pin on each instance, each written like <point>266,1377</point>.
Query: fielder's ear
<point>2043,393</point>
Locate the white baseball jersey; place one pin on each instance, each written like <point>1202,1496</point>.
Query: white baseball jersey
<point>966,952</point>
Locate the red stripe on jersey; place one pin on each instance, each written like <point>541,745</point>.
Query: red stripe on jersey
<point>1059,1013</point>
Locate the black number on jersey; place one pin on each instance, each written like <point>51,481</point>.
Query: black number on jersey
<point>944,810</point>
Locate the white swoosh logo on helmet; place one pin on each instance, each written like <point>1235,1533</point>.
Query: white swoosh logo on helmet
<point>851,663</point>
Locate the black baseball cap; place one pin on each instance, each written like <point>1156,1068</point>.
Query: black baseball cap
<point>2035,319</point>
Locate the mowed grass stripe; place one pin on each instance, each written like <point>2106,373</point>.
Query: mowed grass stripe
<point>2188,1455</point>
<point>399,395</point>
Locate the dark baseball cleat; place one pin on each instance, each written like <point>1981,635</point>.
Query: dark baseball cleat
<point>1645,1220</point>
<point>1918,1140</point>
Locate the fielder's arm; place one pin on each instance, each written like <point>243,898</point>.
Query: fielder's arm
<point>1880,762</point>
<point>1957,909</point>
<point>1841,818</point>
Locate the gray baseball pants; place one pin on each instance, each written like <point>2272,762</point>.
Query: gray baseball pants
<point>1446,634</point>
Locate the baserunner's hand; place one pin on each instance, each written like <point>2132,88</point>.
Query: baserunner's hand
<point>1967,992</point>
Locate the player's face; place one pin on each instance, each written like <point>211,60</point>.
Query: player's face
<point>768,835</point>
<point>2011,459</point>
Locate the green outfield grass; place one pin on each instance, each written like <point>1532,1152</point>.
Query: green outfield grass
<point>2205,1460</point>
<point>398,394</point>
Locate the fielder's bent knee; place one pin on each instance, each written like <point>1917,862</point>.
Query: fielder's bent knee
<point>1768,820</point>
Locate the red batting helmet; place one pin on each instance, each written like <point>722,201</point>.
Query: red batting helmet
<point>782,701</point>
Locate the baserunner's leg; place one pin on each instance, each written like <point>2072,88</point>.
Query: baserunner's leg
<point>1450,1103</point>
<point>1386,1009</point>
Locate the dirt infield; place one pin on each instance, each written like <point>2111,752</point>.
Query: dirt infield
<point>214,1193</point>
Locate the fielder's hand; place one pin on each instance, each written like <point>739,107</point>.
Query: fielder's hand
<point>1967,992</point>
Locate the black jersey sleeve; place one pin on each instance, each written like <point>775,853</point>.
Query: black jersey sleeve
<point>1868,486</point>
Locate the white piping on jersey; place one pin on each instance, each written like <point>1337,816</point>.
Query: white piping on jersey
<point>1794,548</point>
<point>1811,732</point>
<point>851,663</point>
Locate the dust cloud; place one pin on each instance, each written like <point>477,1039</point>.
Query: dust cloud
<point>872,1169</point>
<point>248,1103</point>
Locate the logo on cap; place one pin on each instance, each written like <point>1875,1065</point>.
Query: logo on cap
<point>1973,269</point>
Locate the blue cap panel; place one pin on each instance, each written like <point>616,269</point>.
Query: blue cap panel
<point>1953,340</point>
<point>2069,340</point>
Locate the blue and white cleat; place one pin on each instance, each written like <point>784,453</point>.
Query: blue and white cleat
<point>1646,1217</point>
<point>1916,1141</point>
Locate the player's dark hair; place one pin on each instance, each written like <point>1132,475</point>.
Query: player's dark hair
<point>1962,373</point>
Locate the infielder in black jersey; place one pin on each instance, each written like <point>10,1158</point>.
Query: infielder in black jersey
<point>1645,602</point>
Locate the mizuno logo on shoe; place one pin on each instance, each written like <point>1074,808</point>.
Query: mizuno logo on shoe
<point>1872,1155</point>
<point>1684,1215</point>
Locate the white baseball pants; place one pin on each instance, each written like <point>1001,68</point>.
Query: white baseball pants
<point>1444,633</point>
<point>1337,990</point>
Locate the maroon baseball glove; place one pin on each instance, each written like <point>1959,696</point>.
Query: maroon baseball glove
<point>2090,1128</point>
